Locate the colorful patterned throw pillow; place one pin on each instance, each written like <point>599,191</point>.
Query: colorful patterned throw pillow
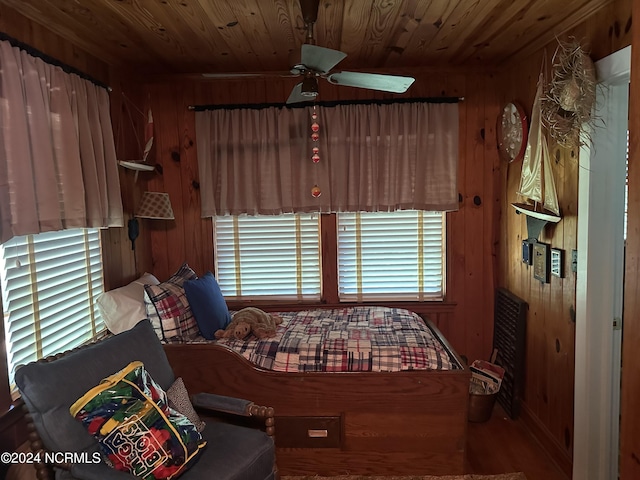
<point>168,308</point>
<point>129,415</point>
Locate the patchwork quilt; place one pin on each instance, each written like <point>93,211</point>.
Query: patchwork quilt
<point>353,339</point>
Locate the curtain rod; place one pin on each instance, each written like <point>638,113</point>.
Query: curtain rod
<point>332,103</point>
<point>50,60</point>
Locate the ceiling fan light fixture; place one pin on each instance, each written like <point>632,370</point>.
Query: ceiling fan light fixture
<point>309,86</point>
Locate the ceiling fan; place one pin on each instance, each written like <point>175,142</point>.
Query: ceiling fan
<point>316,62</point>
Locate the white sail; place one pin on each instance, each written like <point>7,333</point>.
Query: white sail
<point>550,195</point>
<point>536,180</point>
<point>148,136</point>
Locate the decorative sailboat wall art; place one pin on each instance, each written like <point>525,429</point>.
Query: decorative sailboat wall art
<point>141,165</point>
<point>537,187</point>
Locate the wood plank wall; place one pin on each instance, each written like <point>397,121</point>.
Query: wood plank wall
<point>472,230</point>
<point>630,413</point>
<point>550,355</point>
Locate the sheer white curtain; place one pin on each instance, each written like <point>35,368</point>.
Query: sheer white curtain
<point>373,157</point>
<point>58,166</point>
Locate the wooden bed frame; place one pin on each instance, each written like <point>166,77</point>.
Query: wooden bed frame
<point>357,423</point>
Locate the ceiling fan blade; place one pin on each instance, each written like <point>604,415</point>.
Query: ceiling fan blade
<point>231,75</point>
<point>320,59</point>
<point>373,81</point>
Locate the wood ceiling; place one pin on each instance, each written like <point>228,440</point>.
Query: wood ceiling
<point>223,36</point>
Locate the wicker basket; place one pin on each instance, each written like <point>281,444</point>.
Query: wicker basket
<point>481,406</point>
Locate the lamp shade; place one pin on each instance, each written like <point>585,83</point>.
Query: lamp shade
<point>156,205</point>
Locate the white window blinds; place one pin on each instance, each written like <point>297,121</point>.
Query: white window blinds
<point>391,256</point>
<point>275,256</point>
<point>49,285</point>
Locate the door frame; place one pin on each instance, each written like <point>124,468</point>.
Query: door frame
<point>600,274</point>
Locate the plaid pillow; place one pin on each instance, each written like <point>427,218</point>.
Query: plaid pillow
<point>168,309</point>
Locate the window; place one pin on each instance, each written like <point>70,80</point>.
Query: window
<point>49,285</point>
<point>390,256</point>
<point>380,256</point>
<point>278,256</point>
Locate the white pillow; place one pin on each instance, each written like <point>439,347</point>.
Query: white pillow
<point>123,307</point>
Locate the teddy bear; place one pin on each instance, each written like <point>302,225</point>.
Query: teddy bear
<point>237,330</point>
<point>250,320</point>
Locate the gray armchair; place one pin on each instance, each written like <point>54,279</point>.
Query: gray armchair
<point>50,387</point>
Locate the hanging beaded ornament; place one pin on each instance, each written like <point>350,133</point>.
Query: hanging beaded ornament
<point>315,157</point>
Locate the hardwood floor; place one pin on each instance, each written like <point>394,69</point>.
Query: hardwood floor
<point>502,445</point>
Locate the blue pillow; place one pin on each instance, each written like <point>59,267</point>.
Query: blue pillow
<point>207,305</point>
